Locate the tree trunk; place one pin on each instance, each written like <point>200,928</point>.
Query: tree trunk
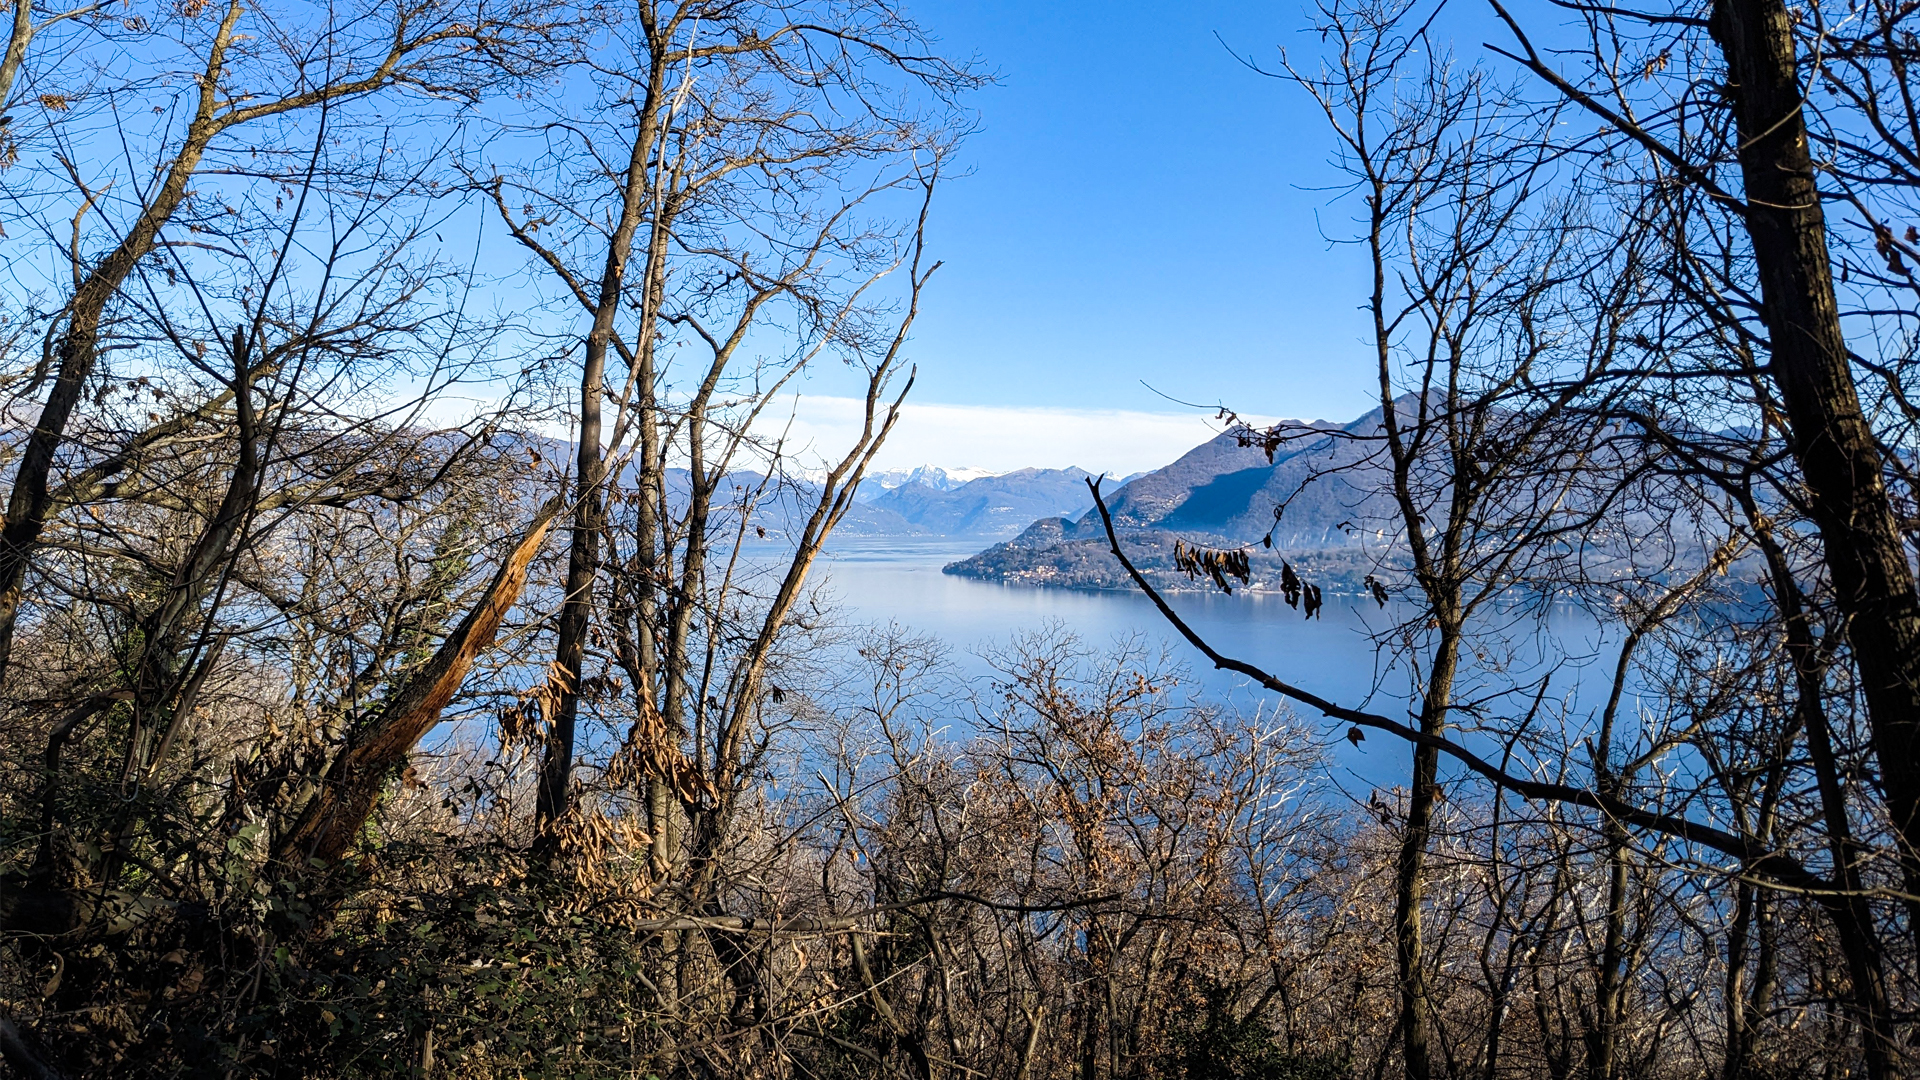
<point>1740,1028</point>
<point>553,799</point>
<point>1851,915</point>
<point>1835,448</point>
<point>31,499</point>
<point>1610,991</point>
<point>1415,1025</point>
<point>327,825</point>
<point>576,612</point>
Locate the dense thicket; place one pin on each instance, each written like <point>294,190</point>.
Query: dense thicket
<point>407,657</point>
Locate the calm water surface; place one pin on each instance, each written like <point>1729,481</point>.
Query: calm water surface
<point>891,579</point>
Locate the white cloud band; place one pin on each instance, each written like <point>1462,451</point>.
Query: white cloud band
<point>1000,438</point>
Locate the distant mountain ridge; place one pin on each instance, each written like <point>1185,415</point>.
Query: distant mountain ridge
<point>992,505</point>
<point>999,505</point>
<point>1219,494</point>
<point>876,484</point>
<point>1323,500</point>
<point>1225,489</point>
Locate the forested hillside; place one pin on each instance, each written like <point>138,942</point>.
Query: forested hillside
<point>1317,505</point>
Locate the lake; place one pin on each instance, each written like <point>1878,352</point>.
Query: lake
<point>880,579</point>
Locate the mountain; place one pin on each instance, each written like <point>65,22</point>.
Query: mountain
<point>926,500</point>
<point>990,505</point>
<point>1068,554</point>
<point>877,484</point>
<point>782,505</point>
<point>1222,488</point>
<point>1220,494</point>
<point>1322,501</point>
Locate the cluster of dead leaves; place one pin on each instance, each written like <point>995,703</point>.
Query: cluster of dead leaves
<point>1883,242</point>
<point>1218,565</point>
<point>1296,590</point>
<point>653,751</point>
<point>531,716</point>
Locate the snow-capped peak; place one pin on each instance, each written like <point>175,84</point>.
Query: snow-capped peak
<point>933,476</point>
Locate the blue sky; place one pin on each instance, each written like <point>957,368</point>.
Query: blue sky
<point>1141,207</point>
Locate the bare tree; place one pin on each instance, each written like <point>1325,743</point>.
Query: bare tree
<point>1757,169</point>
<point>723,170</point>
<point>1544,455</point>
